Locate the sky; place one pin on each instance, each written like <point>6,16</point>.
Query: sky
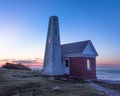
<point>24,25</point>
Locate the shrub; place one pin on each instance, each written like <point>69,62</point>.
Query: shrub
<point>15,66</point>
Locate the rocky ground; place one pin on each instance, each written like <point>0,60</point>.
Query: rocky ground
<point>112,88</point>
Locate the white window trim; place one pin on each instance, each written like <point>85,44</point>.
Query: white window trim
<point>68,62</point>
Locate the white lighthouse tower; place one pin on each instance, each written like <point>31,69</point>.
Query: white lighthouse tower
<point>52,58</point>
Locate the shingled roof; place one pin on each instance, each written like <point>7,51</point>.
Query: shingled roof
<point>77,47</point>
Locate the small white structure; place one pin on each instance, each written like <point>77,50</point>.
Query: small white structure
<point>52,60</point>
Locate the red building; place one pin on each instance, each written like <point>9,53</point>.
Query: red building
<point>79,60</point>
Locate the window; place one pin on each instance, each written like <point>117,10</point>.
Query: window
<point>49,41</point>
<point>88,64</point>
<point>56,31</point>
<point>66,63</point>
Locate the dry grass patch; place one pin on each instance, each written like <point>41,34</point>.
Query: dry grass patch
<point>39,86</point>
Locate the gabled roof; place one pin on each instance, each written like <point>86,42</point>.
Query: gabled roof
<point>77,47</point>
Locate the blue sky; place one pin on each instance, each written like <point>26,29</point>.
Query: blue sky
<point>24,24</point>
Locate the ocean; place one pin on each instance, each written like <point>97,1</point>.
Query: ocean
<point>108,73</point>
<point>104,73</point>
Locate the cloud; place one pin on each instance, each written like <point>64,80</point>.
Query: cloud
<point>24,61</point>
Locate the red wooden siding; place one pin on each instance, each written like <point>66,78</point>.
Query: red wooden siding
<point>78,68</point>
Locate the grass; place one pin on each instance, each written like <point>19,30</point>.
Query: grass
<point>39,86</point>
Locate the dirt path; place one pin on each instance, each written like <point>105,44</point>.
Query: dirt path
<point>107,91</point>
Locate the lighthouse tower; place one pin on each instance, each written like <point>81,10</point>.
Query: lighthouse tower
<point>52,58</point>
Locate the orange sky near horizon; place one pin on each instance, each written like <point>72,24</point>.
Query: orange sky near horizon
<point>39,63</point>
